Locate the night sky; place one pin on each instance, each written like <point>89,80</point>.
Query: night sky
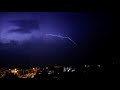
<point>50,38</point>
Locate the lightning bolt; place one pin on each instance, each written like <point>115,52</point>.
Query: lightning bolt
<point>59,36</point>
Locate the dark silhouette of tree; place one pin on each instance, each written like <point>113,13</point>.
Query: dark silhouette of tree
<point>10,76</point>
<point>42,76</point>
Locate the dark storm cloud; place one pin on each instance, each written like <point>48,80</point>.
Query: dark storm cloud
<point>91,31</point>
<point>25,26</point>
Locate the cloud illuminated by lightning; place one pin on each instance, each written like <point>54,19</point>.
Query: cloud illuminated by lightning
<point>6,36</point>
<point>63,37</point>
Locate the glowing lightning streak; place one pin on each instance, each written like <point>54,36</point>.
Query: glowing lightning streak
<point>59,36</point>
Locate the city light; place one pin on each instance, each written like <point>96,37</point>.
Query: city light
<point>46,67</point>
<point>98,65</point>
<point>14,71</point>
<point>87,65</point>
<point>68,69</point>
<point>55,70</point>
<point>73,70</point>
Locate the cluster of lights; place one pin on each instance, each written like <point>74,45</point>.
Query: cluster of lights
<point>30,73</point>
<point>68,69</point>
<point>15,71</point>
<point>57,66</point>
<point>50,72</point>
<point>87,65</point>
<point>98,66</point>
<point>91,65</point>
<point>46,67</point>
